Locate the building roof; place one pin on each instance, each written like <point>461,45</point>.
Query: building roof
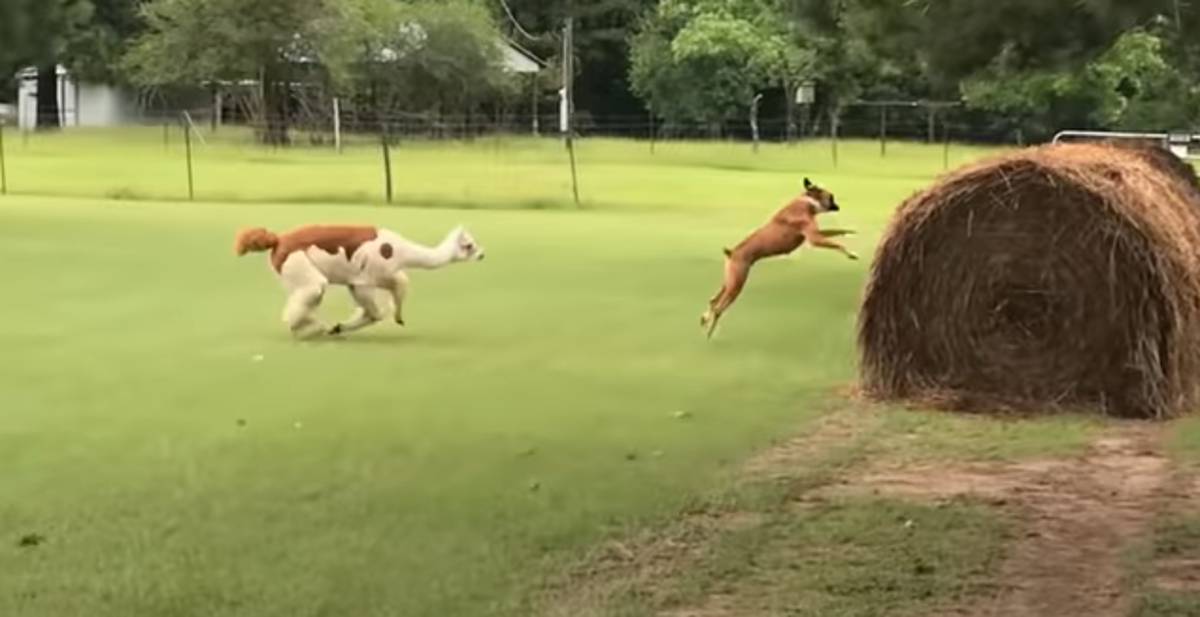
<point>516,59</point>
<point>30,72</point>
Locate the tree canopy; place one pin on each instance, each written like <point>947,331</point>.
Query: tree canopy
<point>1026,65</point>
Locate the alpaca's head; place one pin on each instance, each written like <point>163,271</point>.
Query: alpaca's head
<point>464,246</point>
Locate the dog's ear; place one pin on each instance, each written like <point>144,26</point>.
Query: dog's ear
<point>807,183</point>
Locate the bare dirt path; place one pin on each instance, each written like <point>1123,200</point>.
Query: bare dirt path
<point>1076,518</point>
<point>630,566</point>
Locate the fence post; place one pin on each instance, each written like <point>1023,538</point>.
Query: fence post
<point>653,133</point>
<point>883,130</point>
<point>3,164</point>
<point>754,119</point>
<point>833,129</point>
<point>187,147</point>
<point>337,125</point>
<point>387,164</point>
<point>574,173</point>
<point>945,145</point>
<point>569,98</point>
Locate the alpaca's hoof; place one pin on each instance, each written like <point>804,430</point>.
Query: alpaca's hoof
<point>335,330</point>
<point>399,321</point>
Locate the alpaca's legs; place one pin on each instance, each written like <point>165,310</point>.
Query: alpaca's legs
<point>366,314</point>
<point>300,310</point>
<point>306,287</point>
<point>398,288</point>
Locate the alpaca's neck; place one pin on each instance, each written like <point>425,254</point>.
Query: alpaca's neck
<point>430,257</point>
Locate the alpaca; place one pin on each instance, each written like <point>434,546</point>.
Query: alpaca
<point>362,258</point>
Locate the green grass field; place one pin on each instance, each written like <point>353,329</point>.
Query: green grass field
<point>167,449</point>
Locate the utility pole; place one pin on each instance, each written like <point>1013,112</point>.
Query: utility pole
<point>568,77</point>
<point>569,102</point>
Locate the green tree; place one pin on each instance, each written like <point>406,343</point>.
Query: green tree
<point>94,50</point>
<point>434,56</point>
<point>15,27</point>
<point>705,61</point>
<point>37,32</point>
<point>87,37</point>
<point>602,38</point>
<point>1100,93</point>
<point>190,41</point>
<point>1039,66</point>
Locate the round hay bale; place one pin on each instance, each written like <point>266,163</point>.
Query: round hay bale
<point>1055,277</point>
<point>1165,160</point>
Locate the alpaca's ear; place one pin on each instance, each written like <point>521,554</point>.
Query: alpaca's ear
<point>808,183</point>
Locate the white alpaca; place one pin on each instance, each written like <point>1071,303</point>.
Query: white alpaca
<point>362,258</point>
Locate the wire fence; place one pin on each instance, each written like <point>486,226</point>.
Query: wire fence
<point>477,160</point>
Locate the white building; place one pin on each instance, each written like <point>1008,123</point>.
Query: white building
<point>85,104</point>
<point>518,60</point>
<point>79,104</point>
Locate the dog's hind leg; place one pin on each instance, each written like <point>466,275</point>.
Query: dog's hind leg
<point>736,273</point>
<point>707,317</point>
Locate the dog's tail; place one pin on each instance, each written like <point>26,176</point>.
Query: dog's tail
<point>255,240</point>
<point>833,233</point>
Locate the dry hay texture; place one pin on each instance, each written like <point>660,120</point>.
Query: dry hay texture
<point>1060,277</point>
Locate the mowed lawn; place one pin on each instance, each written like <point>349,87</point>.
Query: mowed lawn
<point>509,173</point>
<point>167,449</point>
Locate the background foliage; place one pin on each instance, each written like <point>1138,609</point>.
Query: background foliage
<point>1025,66</point>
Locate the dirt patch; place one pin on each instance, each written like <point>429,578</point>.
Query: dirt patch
<point>1076,516</point>
<point>1180,575</point>
<point>719,606</point>
<point>1174,566</point>
<point>1075,520</point>
<point>618,570</point>
<point>840,429</point>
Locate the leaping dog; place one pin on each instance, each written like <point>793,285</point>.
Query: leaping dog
<point>790,227</point>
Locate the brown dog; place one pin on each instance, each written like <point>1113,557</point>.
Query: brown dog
<point>789,228</point>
